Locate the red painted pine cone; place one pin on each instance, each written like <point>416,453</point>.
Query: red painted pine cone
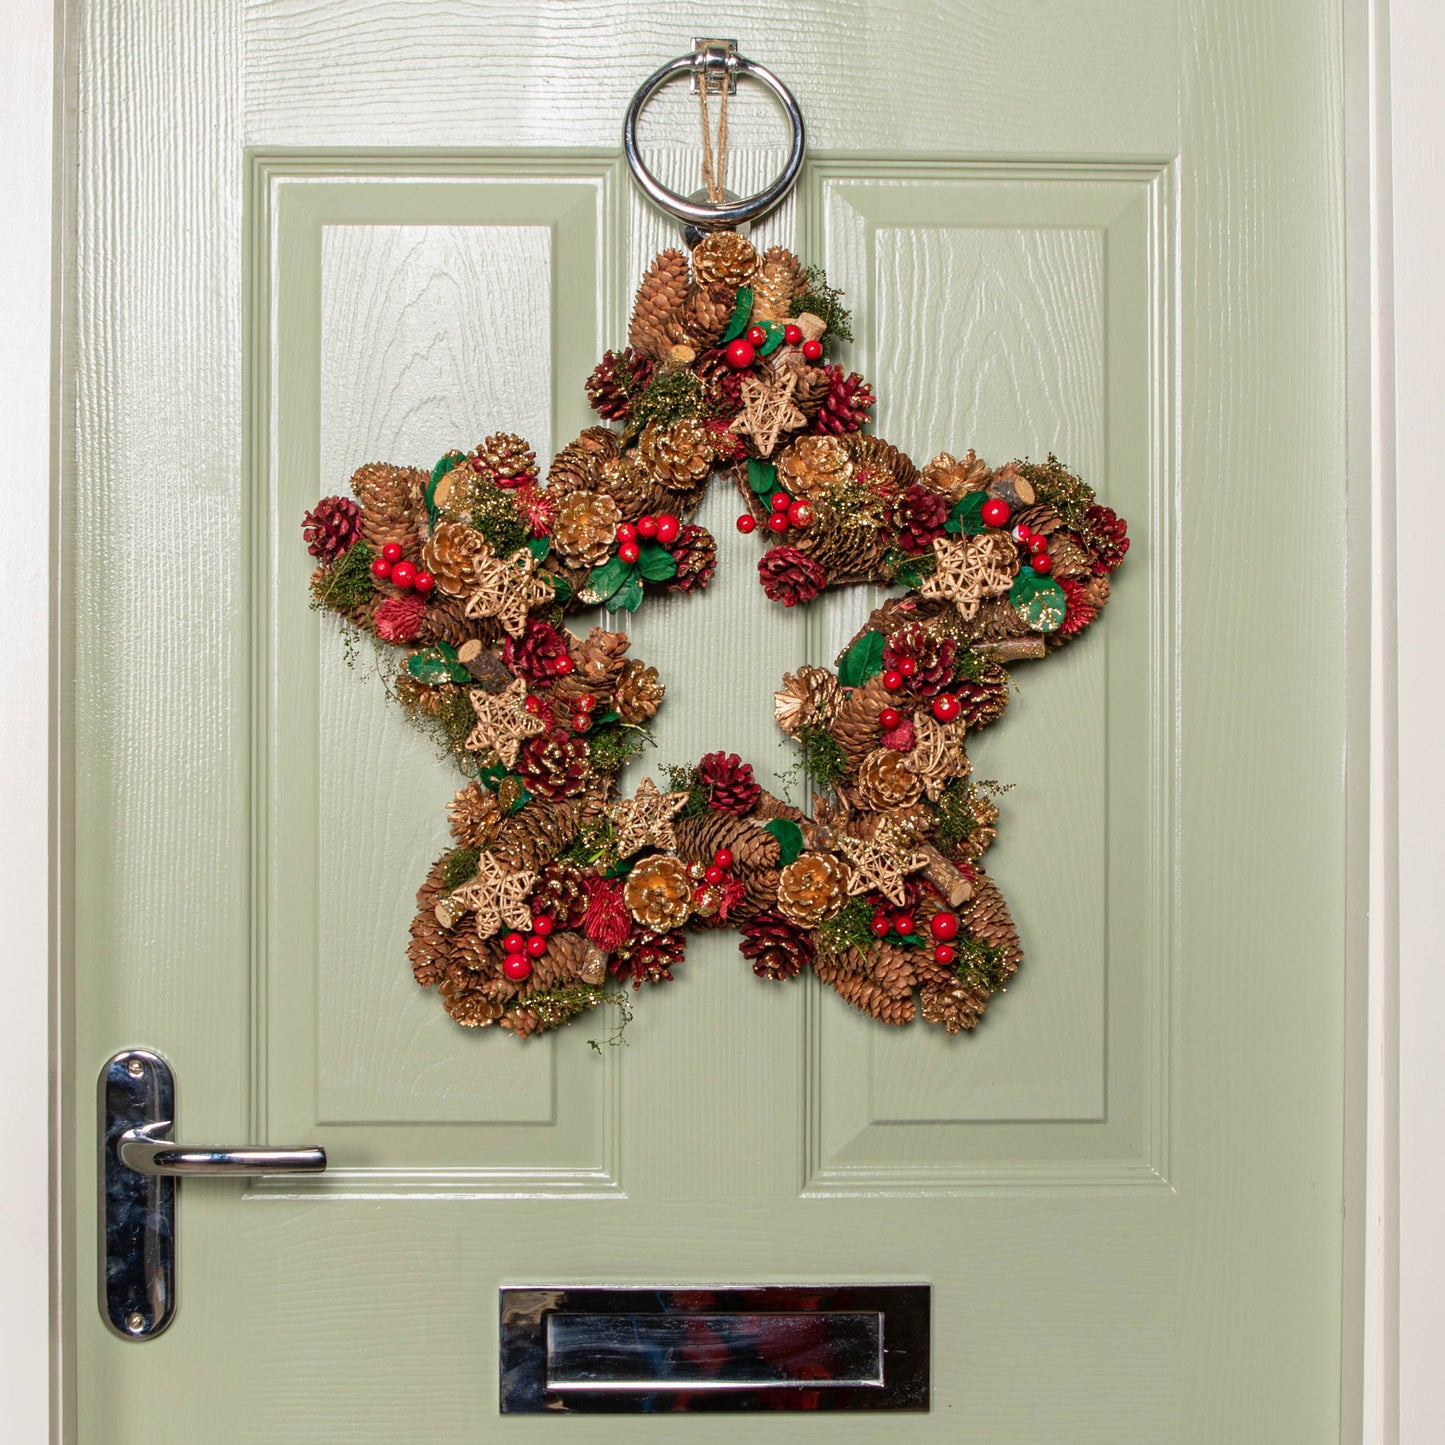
<point>918,517</point>
<point>531,656</point>
<point>728,783</point>
<point>615,380</point>
<point>778,949</point>
<point>555,765</point>
<point>331,527</point>
<point>789,577</point>
<point>847,403</point>
<point>1106,534</point>
<point>695,552</point>
<point>648,957</point>
<point>932,657</point>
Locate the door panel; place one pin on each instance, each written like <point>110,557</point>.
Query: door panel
<point>312,235</point>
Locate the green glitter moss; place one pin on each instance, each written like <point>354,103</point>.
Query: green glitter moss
<point>1057,487</point>
<point>670,396</point>
<point>822,755</point>
<point>850,929</point>
<point>909,571</point>
<point>826,301</point>
<point>346,583</point>
<point>461,867</point>
<point>611,748</point>
<point>684,780</point>
<point>560,1005</point>
<point>978,965</point>
<point>496,517</point>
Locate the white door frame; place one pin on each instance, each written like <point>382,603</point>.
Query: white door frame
<point>1396,112</point>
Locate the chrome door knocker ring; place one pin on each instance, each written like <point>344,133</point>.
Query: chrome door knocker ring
<point>715,64</point>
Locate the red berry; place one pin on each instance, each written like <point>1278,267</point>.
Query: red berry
<point>800,513</point>
<point>778,522</point>
<point>562,665</point>
<point>542,924</point>
<point>668,527</point>
<point>714,874</point>
<point>533,704</point>
<point>995,512</point>
<point>907,666</point>
<point>723,857</point>
<point>1021,533</point>
<point>812,350</point>
<point>381,568</point>
<point>780,501</point>
<point>792,333</point>
<point>626,532</point>
<point>892,681</point>
<point>943,954</point>
<point>424,583</point>
<point>1041,562</point>
<point>741,354</point>
<point>889,719</point>
<point>391,552</point>
<point>536,946</point>
<point>755,335</point>
<point>945,707</point>
<point>647,525</point>
<point>747,523</point>
<point>586,702</point>
<point>903,923</point>
<point>880,927</point>
<point>943,926</point>
<point>403,575</point>
<point>580,722</point>
<point>514,943</point>
<point>629,551</point>
<point>516,967</point>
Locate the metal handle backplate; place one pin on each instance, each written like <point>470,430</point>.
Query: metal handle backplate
<point>138,1169</point>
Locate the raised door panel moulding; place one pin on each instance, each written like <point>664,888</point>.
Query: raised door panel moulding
<point>1022,309</point>
<point>395,306</point>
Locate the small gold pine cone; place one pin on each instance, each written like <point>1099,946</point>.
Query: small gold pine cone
<point>505,460</point>
<point>813,382</point>
<point>954,476</point>
<point>469,1006</point>
<point>534,835</point>
<point>855,726</point>
<point>879,464</point>
<point>812,465</point>
<point>1068,556</point>
<point>628,485</point>
<point>812,889</point>
<point>658,892</point>
<point>886,781</point>
<point>779,281</point>
<point>678,456</point>
<point>452,554</point>
<point>473,816</point>
<point>860,991</point>
<point>431,946</point>
<point>893,967</point>
<point>639,692</point>
<point>807,698</point>
<point>586,528</point>
<point>724,257</point>
<point>952,1004</point>
<point>707,311</point>
<point>660,299</point>
<point>578,466</point>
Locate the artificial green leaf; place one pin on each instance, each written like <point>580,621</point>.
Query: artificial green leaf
<point>789,836</point>
<point>539,546</point>
<point>913,940</point>
<point>741,311</point>
<point>775,337</point>
<point>862,661</point>
<point>436,665</point>
<point>656,563</point>
<point>452,459</point>
<point>628,597</point>
<point>603,581</point>
<point>605,718</point>
<point>967,515</point>
<point>1039,600</point>
<point>762,477</point>
<point>561,587</point>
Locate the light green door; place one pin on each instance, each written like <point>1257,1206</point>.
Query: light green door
<point>311,235</point>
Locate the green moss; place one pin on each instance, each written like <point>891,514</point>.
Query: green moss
<point>826,301</point>
<point>496,517</point>
<point>612,747</point>
<point>1057,487</point>
<point>685,780</point>
<point>670,396</point>
<point>955,819</point>
<point>461,867</point>
<point>978,965</point>
<point>822,755</point>
<point>968,666</point>
<point>909,571</point>
<point>850,929</point>
<point>346,583</point>
<point>560,1005</point>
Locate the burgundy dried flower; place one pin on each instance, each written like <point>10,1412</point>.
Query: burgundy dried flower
<point>399,619</point>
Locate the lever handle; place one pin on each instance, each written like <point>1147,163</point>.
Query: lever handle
<point>140,1150</point>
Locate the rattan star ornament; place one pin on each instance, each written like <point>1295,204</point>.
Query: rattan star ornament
<point>768,411</point>
<point>883,862</point>
<point>507,589</point>
<point>503,722</point>
<point>497,896</point>
<point>972,568</point>
<point>645,820</point>
<point>938,754</point>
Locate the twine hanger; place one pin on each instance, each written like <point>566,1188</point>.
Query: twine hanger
<point>714,167</point>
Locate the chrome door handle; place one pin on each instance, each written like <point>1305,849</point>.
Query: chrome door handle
<point>140,1150</point>
<point>138,1169</point>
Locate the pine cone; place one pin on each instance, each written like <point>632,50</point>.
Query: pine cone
<point>392,505</point>
<point>722,385</point>
<point>504,460</point>
<point>807,698</point>
<point>707,311</point>
<point>847,544</point>
<point>778,949</point>
<point>932,657</point>
<point>790,577</point>
<point>659,300</point>
<point>695,552</point>
<point>648,957</point>
<point>779,281</point>
<point>678,456</point>
<point>855,724</point>
<point>586,528</point>
<point>997,619</point>
<point>728,783</point>
<point>892,967</point>
<point>846,403</point>
<point>879,465</point>
<point>658,892</point>
<point>470,1006</point>
<point>446,621</point>
<point>638,693</point>
<point>754,849</point>
<point>1106,534</point>
<point>918,516</point>
<point>1069,557</point>
<point>955,476</point>
<point>866,995</point>
<point>953,1005</point>
<point>1040,519</point>
<point>629,486</point>
<point>986,917</point>
<point>331,527</point>
<point>886,781</point>
<point>812,465</point>
<point>533,656</point>
<point>452,555</point>
<point>814,384</point>
<point>473,815</point>
<point>555,764</point>
<point>430,945</point>
<point>535,835</point>
<point>982,700</point>
<point>615,380</point>
<point>812,889</point>
<point>724,257</point>
<point>561,894</point>
<point>599,658</point>
<point>578,466</point>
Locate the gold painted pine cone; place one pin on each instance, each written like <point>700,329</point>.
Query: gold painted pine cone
<point>955,476</point>
<point>658,892</point>
<point>810,466</point>
<point>953,1004</point>
<point>452,555</point>
<point>473,816</point>
<point>660,299</point>
<point>578,467</point>
<point>807,698</point>
<point>639,692</point>
<point>505,459</point>
<point>779,282</point>
<point>392,505</point>
<point>586,528</point>
<point>812,889</point>
<point>678,456</point>
<point>725,257</point>
<point>886,781</point>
